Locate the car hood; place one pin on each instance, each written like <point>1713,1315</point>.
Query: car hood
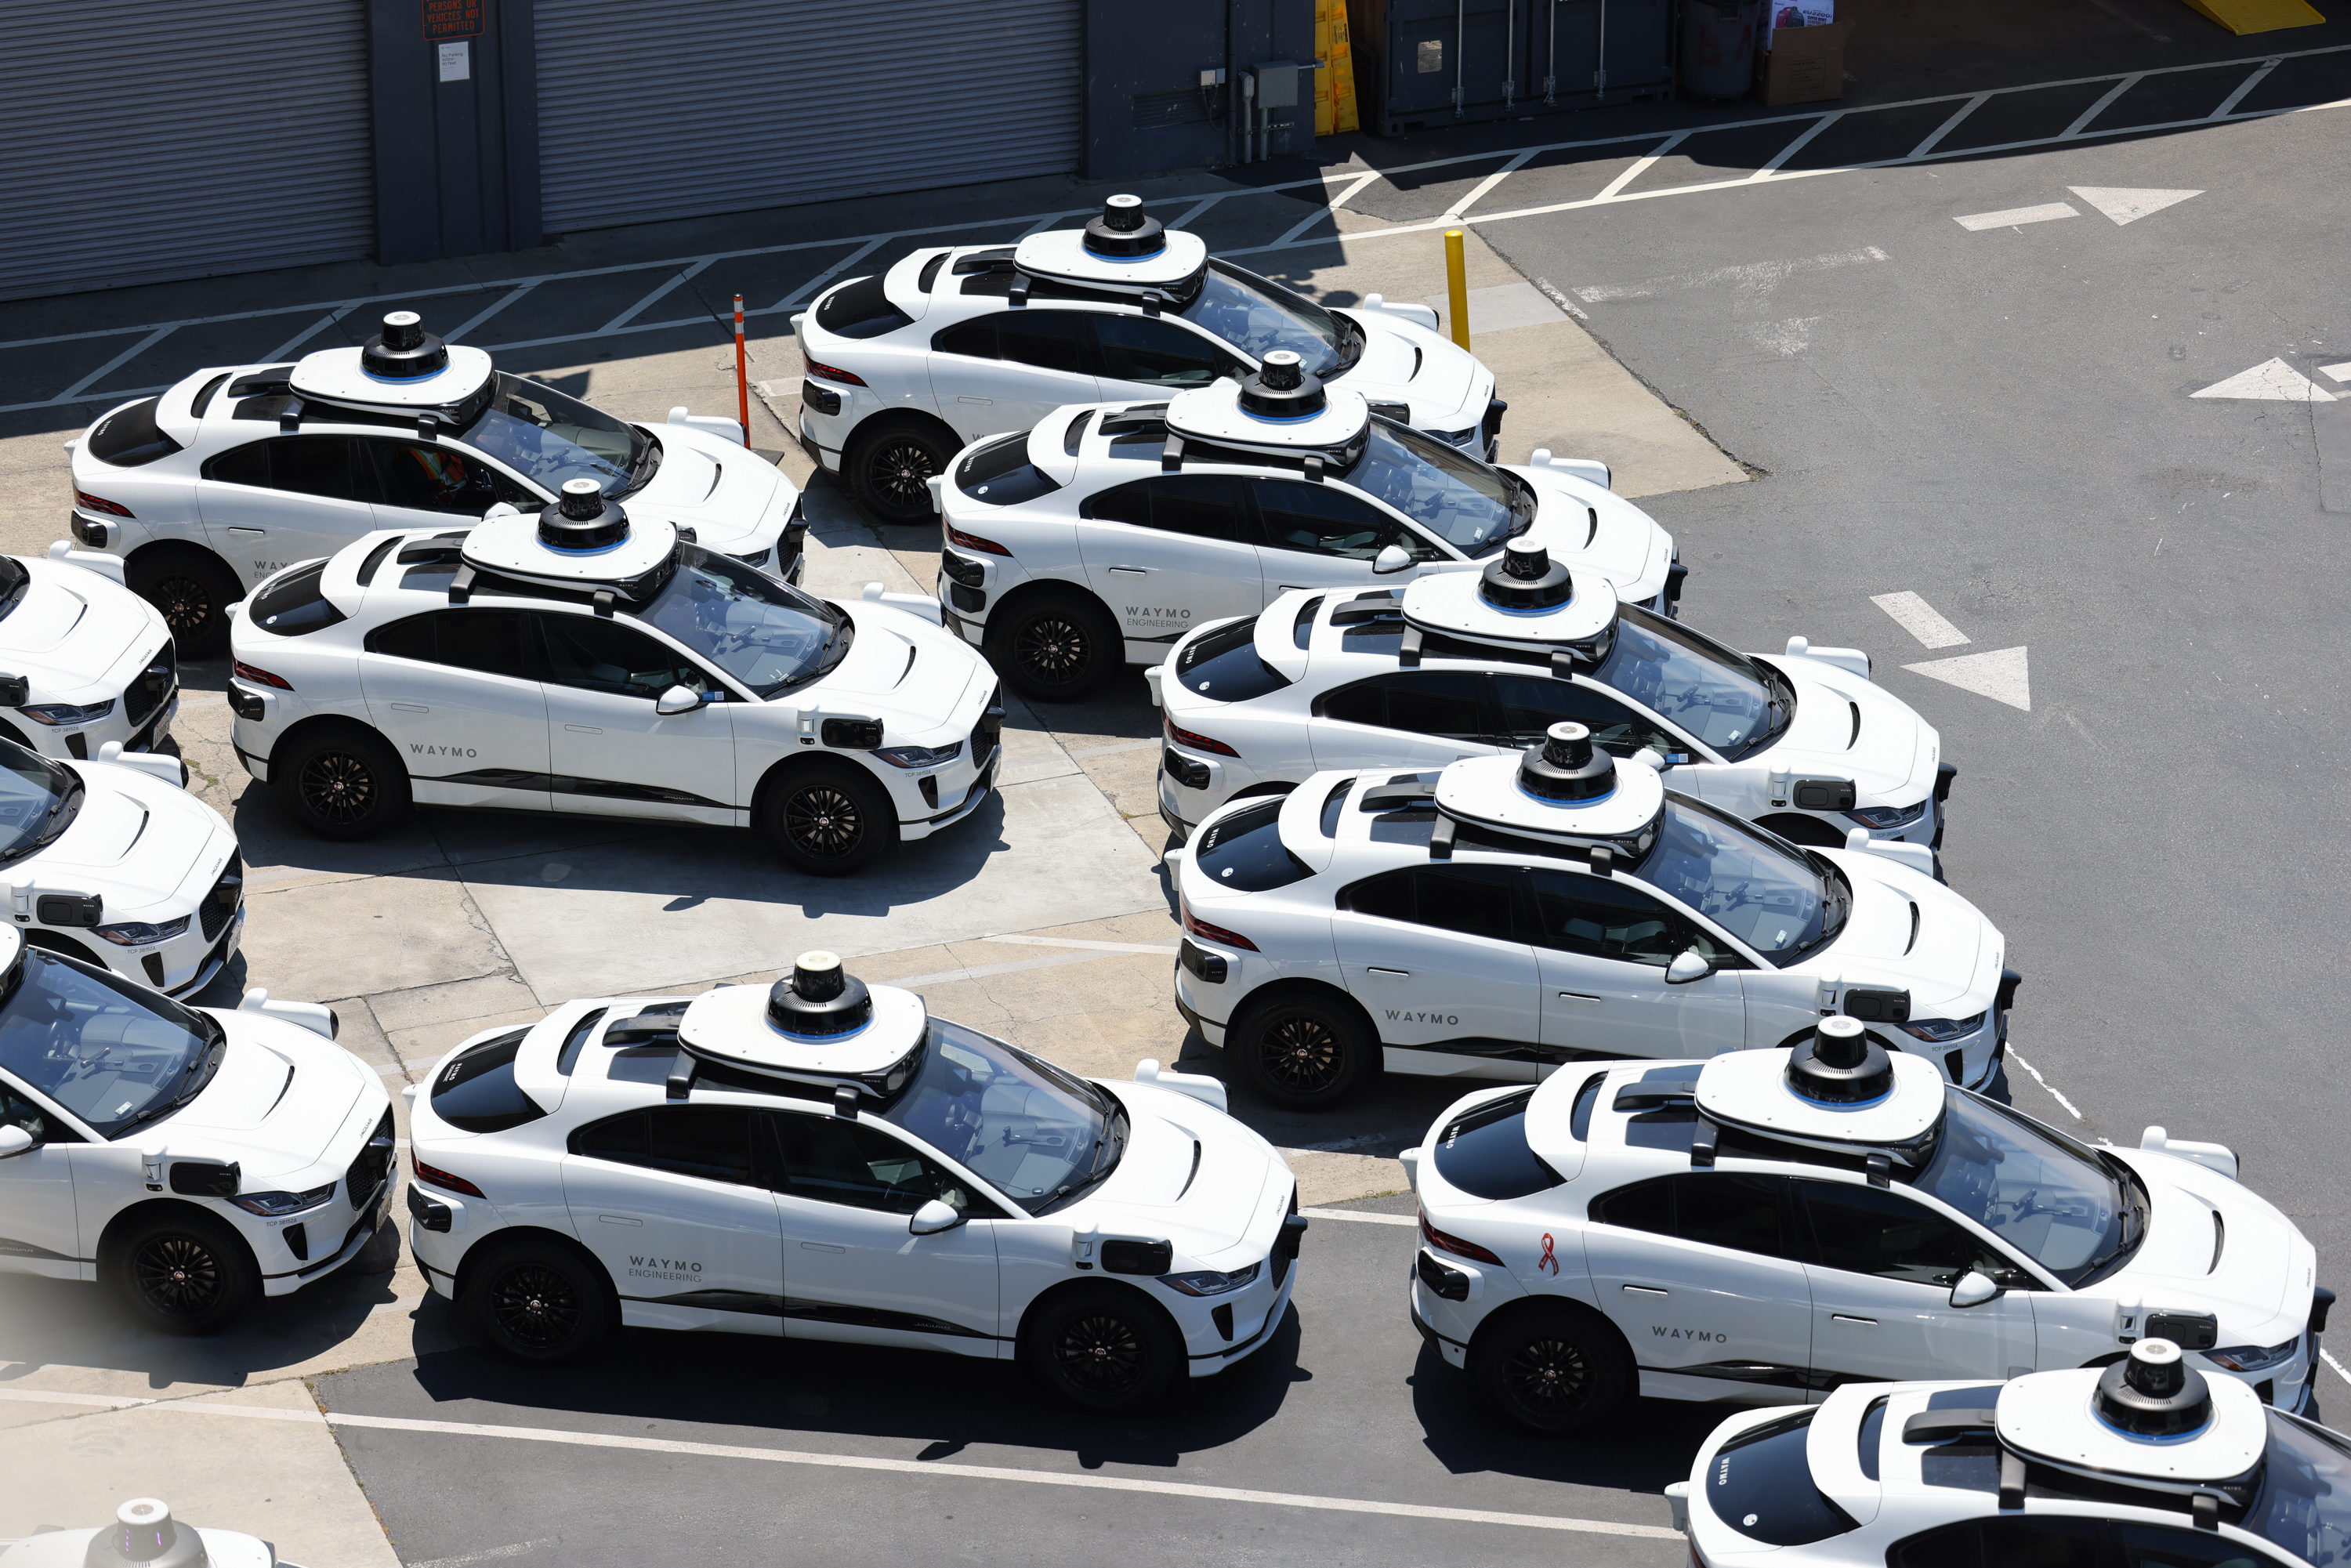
<point>1402,362</point>
<point>135,839</point>
<point>280,1098</point>
<point>71,627</point>
<point>1220,1211</point>
<point>1850,729</point>
<point>728,494</point>
<point>1950,968</point>
<point>1586,525</point>
<point>2213,1245</point>
<point>914,673</point>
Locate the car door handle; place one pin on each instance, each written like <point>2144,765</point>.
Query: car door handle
<point>619,1219</point>
<point>410,707</point>
<point>1577,997</point>
<point>584,728</point>
<point>820,1247</point>
<point>1848,1318</point>
<point>1644,1290</point>
<point>984,401</point>
<point>1391,974</point>
<point>246,533</point>
<point>1129,570</point>
<point>1293,587</point>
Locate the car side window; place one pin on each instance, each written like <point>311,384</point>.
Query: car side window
<point>1740,1212</point>
<point>440,479</point>
<point>17,1110</point>
<point>1441,704</point>
<point>491,641</point>
<point>2003,1544</point>
<point>1869,1230</point>
<point>974,339</point>
<point>1645,1205</point>
<point>1576,912</point>
<point>246,464</point>
<point>408,639</point>
<point>833,1160</point>
<point>1158,353</point>
<point>1530,704</point>
<point>2169,1546</point>
<point>1199,506</point>
<point>599,655</point>
<point>1047,339</point>
<point>1322,519</point>
<point>1470,900</point>
<point>712,1143</point>
<point>315,466</point>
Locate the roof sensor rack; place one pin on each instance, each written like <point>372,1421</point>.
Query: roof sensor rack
<point>1124,231</point>
<point>581,521</point>
<point>1567,766</point>
<point>403,351</point>
<point>818,1000</point>
<point>1525,578</point>
<point>2153,1393</point>
<point>1840,1065</point>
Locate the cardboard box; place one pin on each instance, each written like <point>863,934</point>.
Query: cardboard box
<point>1803,64</point>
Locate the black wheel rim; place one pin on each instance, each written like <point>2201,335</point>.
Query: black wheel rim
<point>901,471</point>
<point>337,786</point>
<point>1101,1352</point>
<point>1302,1054</point>
<point>535,1306</point>
<point>823,822</point>
<point>178,1276</point>
<point>1052,650</point>
<point>184,602</point>
<point>1548,1377</point>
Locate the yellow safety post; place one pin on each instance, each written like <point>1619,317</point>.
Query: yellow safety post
<point>1457,286</point>
<point>1334,84</point>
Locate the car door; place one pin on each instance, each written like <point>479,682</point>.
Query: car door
<point>1603,946</point>
<point>1144,356</point>
<point>1434,954</point>
<point>1699,1273</point>
<point>1407,719</point>
<point>1324,536</point>
<point>609,753</point>
<point>852,1270</point>
<point>268,504</point>
<point>1169,553</point>
<point>1526,705</point>
<point>420,484</point>
<point>675,1202</point>
<point>1009,369</point>
<point>2011,1542</point>
<point>457,693</point>
<point>1882,1291</point>
<point>38,1232</point>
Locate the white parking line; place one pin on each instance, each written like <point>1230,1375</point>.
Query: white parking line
<point>299,339</point>
<point>1920,619</point>
<point>116,363</point>
<point>1753,275</point>
<point>1640,167</point>
<point>633,311</point>
<point>500,303</point>
<point>2053,1092</point>
<point>2229,104</point>
<point>1935,139</point>
<point>1329,209</point>
<point>1412,1220</point>
<point>809,290</point>
<point>2081,122</point>
<point>492,1554</point>
<point>1779,159</point>
<point>1477,192</point>
<point>2048,211</point>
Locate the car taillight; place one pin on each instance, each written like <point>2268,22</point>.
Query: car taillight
<point>1206,932</point>
<point>831,373</point>
<point>1197,742</point>
<point>440,1178</point>
<point>89,502</point>
<point>260,677</point>
<point>1455,1245</point>
<point>973,541</point>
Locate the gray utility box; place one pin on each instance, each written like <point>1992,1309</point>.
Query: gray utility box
<point>1420,63</point>
<point>1162,84</point>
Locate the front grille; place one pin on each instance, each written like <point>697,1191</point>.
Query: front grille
<point>154,964</point>
<point>220,904</point>
<point>987,732</point>
<point>1490,427</point>
<point>152,688</point>
<point>367,1172</point>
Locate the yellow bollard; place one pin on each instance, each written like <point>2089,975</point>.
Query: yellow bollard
<point>1457,286</point>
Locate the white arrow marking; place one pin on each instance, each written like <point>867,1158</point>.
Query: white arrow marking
<point>2272,380</point>
<point>2046,212</point>
<point>2001,676</point>
<point>1919,618</point>
<point>2127,206</point>
<point>2341,372</point>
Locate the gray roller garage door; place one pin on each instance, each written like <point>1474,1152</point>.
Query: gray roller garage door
<point>715,106</point>
<point>146,139</point>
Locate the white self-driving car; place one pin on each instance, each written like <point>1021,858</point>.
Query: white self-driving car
<point>1458,665</point>
<point>1767,1225</point>
<point>578,660</point>
<point>1108,533</point>
<point>83,662</point>
<point>190,1159</point>
<point>144,1532</point>
<point>823,1160</point>
<point>950,346</point>
<point>1513,914</point>
<point>238,472</point>
<point>2147,1463</point>
<point>113,862</point>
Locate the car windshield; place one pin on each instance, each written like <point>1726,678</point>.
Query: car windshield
<point>38,799</point>
<point>2051,1198</point>
<point>1760,889</point>
<point>766,634</point>
<point>1727,700</point>
<point>549,438</point>
<point>1470,505</point>
<point>1257,316</point>
<point>1036,1134</point>
<point>113,1053</point>
<point>2304,1501</point>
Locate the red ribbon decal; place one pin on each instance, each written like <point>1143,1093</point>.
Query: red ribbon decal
<point>1547,1260</point>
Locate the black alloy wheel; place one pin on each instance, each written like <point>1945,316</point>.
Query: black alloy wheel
<point>191,588</point>
<point>1554,1368</point>
<point>536,1307</point>
<point>890,462</point>
<point>1303,1053</point>
<point>1052,650</point>
<point>823,822</point>
<point>180,1270</point>
<point>342,782</point>
<point>1103,1346</point>
<point>1101,1352</point>
<point>178,1275</point>
<point>187,605</point>
<point>1548,1377</point>
<point>828,817</point>
<point>901,467</point>
<point>337,787</point>
<point>540,1302</point>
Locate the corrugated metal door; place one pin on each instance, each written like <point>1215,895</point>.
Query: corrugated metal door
<point>148,140</point>
<point>711,106</point>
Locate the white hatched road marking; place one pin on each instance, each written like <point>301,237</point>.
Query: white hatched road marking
<point>511,297</point>
<point>1640,167</point>
<point>2229,104</point>
<point>132,352</point>
<point>2082,123</point>
<point>2048,211</point>
<point>1792,148</point>
<point>299,339</point>
<point>1477,192</point>
<point>1920,619</point>
<point>633,311</point>
<point>1935,139</point>
<point>1330,210</point>
<point>808,290</point>
<point>1759,276</point>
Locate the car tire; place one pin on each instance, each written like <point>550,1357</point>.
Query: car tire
<point>829,818</point>
<point>1054,646</point>
<point>1104,1347</point>
<point>1553,1369</point>
<point>890,464</point>
<point>192,589</point>
<point>342,782</point>
<point>1302,1052</point>
<point>541,1303</point>
<point>183,1271</point>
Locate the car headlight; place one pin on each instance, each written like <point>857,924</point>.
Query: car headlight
<point>1882,817</point>
<point>1941,1029</point>
<point>68,712</point>
<point>1208,1282</point>
<point>141,933</point>
<point>921,756</point>
<point>2254,1357</point>
<point>275,1204</point>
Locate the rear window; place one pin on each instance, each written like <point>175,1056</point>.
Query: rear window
<point>1760,1485</point>
<point>1484,1152</point>
<point>858,308</point>
<point>1223,665</point>
<point>294,604</point>
<point>1244,850</point>
<point>477,1091</point>
<point>128,437</point>
<point>1000,474</point>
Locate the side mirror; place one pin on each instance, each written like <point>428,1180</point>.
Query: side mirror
<point>1391,560</point>
<point>1973,1289</point>
<point>14,1140</point>
<point>933,1217</point>
<point>677,700</point>
<point>1689,965</point>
